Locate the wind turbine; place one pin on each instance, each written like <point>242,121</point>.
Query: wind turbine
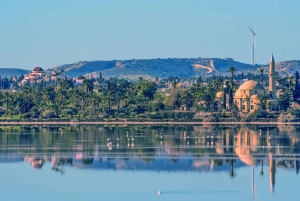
<point>253,44</point>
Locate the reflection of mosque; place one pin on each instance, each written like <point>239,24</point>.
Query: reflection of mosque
<point>200,149</point>
<point>257,146</point>
<point>36,162</point>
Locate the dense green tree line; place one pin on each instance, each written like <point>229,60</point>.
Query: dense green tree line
<point>120,98</point>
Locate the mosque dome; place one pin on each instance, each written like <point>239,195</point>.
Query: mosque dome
<point>255,96</point>
<point>220,94</point>
<point>251,85</point>
<point>247,159</point>
<point>244,154</point>
<point>247,141</point>
<point>219,148</point>
<point>38,69</point>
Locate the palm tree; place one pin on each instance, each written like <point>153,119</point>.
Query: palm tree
<point>174,83</point>
<point>269,105</point>
<point>247,99</point>
<point>217,83</point>
<point>94,101</point>
<point>87,85</point>
<point>261,75</point>
<point>232,70</point>
<point>7,97</point>
<point>49,95</point>
<point>108,96</point>
<point>262,104</point>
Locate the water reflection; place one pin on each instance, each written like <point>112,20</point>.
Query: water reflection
<point>155,148</point>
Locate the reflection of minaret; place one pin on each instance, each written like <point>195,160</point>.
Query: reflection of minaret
<point>297,166</point>
<point>272,90</point>
<point>272,170</point>
<point>253,181</point>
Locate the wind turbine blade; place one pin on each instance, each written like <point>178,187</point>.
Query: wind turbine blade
<point>251,30</point>
<point>254,41</point>
<point>256,31</point>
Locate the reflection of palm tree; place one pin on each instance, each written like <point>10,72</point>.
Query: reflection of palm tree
<point>262,168</point>
<point>57,169</point>
<point>232,173</point>
<point>218,162</point>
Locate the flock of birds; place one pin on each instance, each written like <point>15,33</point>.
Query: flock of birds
<point>130,139</point>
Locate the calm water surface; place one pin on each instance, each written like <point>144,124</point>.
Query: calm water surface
<point>134,162</point>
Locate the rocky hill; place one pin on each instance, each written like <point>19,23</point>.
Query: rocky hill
<point>185,67</point>
<point>153,67</point>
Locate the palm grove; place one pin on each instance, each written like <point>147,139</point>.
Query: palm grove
<point>140,100</point>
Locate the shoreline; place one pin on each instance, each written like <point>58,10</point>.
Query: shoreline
<point>147,123</point>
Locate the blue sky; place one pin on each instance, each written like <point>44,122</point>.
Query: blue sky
<point>50,33</point>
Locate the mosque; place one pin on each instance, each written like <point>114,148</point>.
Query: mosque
<point>37,74</point>
<point>246,96</point>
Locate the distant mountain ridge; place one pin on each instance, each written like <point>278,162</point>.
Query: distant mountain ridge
<point>181,67</point>
<point>134,68</point>
<point>10,72</point>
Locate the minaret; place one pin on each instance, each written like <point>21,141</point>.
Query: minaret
<point>272,89</point>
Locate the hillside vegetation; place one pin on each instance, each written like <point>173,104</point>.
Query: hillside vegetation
<point>153,67</point>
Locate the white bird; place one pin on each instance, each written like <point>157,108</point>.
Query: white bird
<point>159,192</point>
<point>109,146</point>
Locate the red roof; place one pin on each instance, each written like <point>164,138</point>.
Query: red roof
<point>38,69</point>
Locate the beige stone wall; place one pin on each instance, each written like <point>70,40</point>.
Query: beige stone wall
<point>240,99</point>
